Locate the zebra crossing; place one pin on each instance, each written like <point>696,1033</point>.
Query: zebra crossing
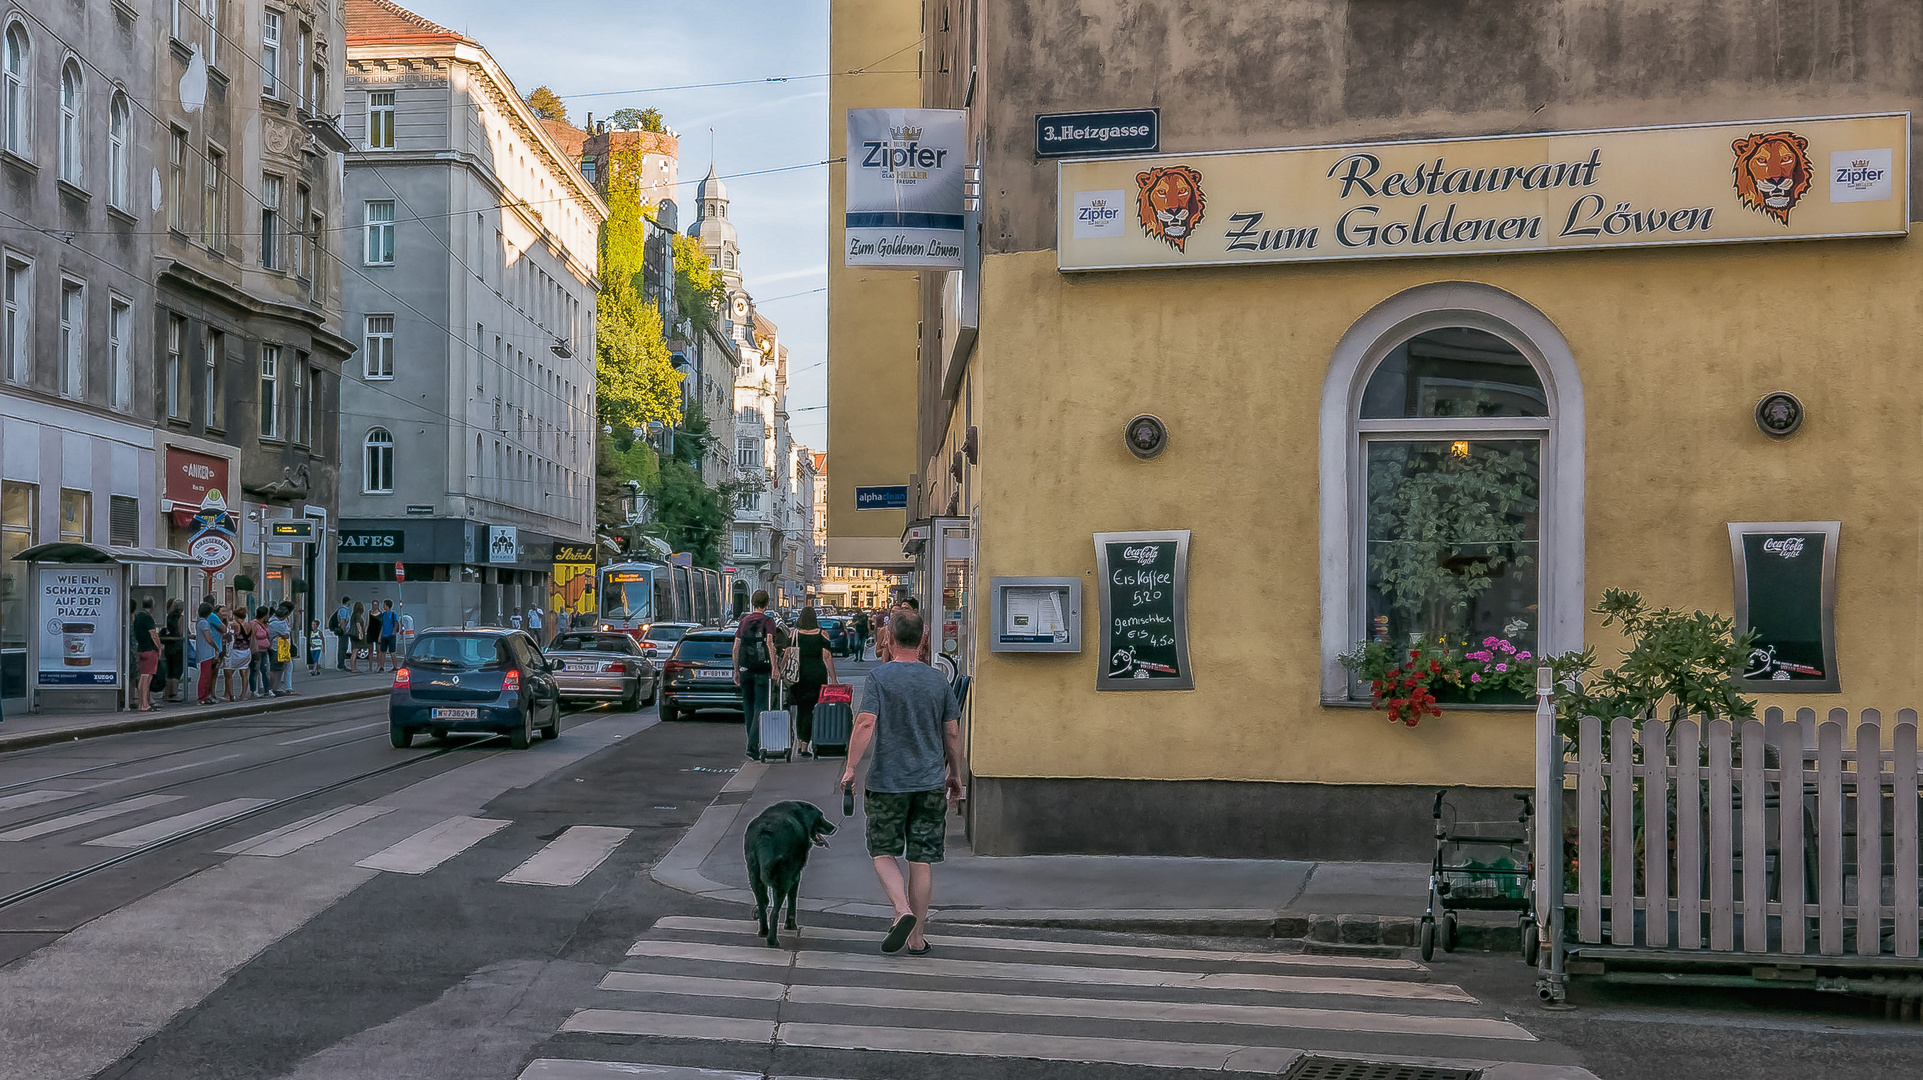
<point>562,862</point>
<point>999,995</point>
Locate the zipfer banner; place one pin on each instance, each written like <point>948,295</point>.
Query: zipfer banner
<point>905,171</point>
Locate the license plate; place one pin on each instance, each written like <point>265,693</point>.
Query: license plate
<point>706,673</point>
<point>589,666</point>
<point>454,714</point>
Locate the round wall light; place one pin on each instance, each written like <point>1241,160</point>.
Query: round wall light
<point>1146,436</point>
<point>1779,414</point>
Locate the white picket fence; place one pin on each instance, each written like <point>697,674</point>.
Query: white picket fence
<point>1774,836</point>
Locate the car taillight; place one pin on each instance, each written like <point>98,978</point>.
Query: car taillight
<point>616,669</point>
<point>675,667</point>
<point>400,678</point>
<point>511,684</point>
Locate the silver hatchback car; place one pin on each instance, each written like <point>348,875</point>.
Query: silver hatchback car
<point>591,665</point>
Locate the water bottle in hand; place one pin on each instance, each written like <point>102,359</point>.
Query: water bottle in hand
<point>847,800</point>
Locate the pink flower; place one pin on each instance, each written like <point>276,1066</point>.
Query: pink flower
<point>1477,677</point>
<point>1490,640</point>
<point>1502,667</point>
<point>1523,656</point>
<point>1482,655</point>
<point>1505,646</point>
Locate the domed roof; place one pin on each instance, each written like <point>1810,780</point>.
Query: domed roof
<point>712,187</point>
<point>714,231</point>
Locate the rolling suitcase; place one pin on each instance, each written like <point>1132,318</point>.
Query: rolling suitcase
<point>834,726</point>
<point>777,727</point>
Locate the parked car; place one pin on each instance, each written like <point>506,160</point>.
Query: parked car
<point>699,674</point>
<point>841,639</point>
<point>658,639</point>
<point>603,665</point>
<point>489,680</point>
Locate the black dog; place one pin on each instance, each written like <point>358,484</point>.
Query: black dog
<point>777,846</point>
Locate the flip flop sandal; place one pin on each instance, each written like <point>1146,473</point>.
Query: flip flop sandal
<point>925,949</point>
<point>898,934</point>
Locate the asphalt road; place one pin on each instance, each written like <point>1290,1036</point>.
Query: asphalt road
<point>477,912</point>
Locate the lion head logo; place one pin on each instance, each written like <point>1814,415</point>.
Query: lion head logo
<point>1772,172</point>
<point>1170,203</point>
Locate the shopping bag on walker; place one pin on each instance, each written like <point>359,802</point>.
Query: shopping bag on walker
<point>777,729</point>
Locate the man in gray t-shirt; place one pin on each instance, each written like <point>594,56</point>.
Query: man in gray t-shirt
<point>909,714</point>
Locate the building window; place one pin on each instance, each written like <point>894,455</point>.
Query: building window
<point>300,65</point>
<point>177,24</point>
<point>72,109</point>
<point>1452,438</point>
<point>73,336</point>
<point>303,206</point>
<point>210,18</point>
<point>177,181</point>
<point>316,254</point>
<point>213,228</point>
<point>216,362</point>
<point>377,456</point>
<point>19,516</point>
<point>270,391</point>
<point>123,521</point>
<point>15,102</point>
<point>377,352</point>
<point>176,366</point>
<point>380,233</point>
<point>302,400</point>
<point>120,327</point>
<point>748,502</point>
<point>743,542</point>
<point>117,120</point>
<point>270,54</point>
<point>19,303</point>
<point>270,222</point>
<point>380,120</point>
<point>587,169</point>
<point>747,452</point>
<point>76,516</point>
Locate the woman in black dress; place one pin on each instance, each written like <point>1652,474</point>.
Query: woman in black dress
<point>815,670</point>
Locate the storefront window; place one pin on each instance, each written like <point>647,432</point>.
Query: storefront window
<point>1452,424</point>
<point>17,515</point>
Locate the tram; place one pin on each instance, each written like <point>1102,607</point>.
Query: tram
<point>636,595</point>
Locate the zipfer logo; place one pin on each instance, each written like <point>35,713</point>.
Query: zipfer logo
<point>901,156</point>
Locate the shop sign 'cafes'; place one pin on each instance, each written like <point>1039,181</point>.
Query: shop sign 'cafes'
<point>1636,187</point>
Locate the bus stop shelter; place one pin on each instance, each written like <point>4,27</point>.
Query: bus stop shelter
<point>79,654</point>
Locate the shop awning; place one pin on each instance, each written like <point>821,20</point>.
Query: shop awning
<point>73,551</point>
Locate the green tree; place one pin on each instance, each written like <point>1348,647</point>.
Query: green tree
<point>638,120</point>
<point>635,380</point>
<point>698,290</point>
<point>689,515</point>
<point>547,105</point>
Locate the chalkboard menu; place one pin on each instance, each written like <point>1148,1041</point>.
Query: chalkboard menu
<point>1144,599</point>
<point>1786,594</point>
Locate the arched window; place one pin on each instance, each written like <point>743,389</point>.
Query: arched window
<point>377,454</point>
<point>727,260</point>
<point>117,166</point>
<point>15,133</point>
<point>72,139</point>
<point>1452,481</point>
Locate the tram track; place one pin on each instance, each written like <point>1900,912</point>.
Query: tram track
<point>71,876</point>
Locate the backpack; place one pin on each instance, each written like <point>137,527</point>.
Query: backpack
<point>754,645</point>
<point>334,622</point>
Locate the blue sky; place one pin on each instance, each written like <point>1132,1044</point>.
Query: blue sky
<point>607,47</point>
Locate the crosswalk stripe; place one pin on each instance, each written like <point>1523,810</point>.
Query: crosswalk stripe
<point>670,1025</point>
<point>33,798</point>
<point>309,830</point>
<point>812,960</point>
<point>433,845</point>
<point>642,982</point>
<point>572,1069</point>
<point>569,857</point>
<point>86,817</point>
<point>1005,944</point>
<point>179,823</point>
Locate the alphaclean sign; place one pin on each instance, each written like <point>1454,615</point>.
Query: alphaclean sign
<point>1119,131</point>
<point>1638,187</point>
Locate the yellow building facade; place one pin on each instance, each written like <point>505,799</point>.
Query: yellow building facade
<point>1627,388</point>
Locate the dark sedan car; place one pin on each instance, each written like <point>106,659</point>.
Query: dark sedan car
<point>841,638</point>
<point>474,680</point>
<point>699,675</point>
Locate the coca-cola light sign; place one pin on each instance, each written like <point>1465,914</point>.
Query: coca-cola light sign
<point>1789,547</point>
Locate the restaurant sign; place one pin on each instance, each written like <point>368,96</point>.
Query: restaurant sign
<point>1632,187</point>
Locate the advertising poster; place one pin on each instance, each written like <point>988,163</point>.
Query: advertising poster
<point>81,639</point>
<point>571,585</point>
<point>905,172</point>
<point>1791,179</point>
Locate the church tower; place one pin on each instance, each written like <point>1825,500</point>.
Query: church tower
<point>715,231</point>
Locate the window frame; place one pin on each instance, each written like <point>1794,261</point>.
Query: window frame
<point>120,368</point>
<point>270,32</point>
<point>16,96</point>
<point>85,501</point>
<point>176,367</point>
<point>15,537</point>
<point>16,317</point>
<point>213,210</point>
<point>381,227</point>
<point>1342,439</point>
<point>73,337</point>
<point>303,401</point>
<point>377,441</point>
<point>177,155</point>
<point>271,191</point>
<point>214,343</point>
<point>380,119</point>
<point>369,337</point>
<point>270,402</point>
<point>119,166</point>
<point>71,97</point>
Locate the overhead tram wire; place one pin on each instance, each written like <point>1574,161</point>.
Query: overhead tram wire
<point>866,69</point>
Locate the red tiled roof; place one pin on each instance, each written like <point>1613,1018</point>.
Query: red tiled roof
<point>566,136</point>
<point>382,20</point>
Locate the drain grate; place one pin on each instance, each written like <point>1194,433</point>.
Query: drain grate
<point>1324,1068</point>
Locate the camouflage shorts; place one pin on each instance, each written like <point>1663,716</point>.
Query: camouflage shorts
<point>911,822</point>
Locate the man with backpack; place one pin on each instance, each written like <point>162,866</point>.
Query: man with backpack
<point>341,625</point>
<point>754,659</point>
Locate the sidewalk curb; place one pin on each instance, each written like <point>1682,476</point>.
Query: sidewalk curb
<point>180,715</point>
<point>680,869</point>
